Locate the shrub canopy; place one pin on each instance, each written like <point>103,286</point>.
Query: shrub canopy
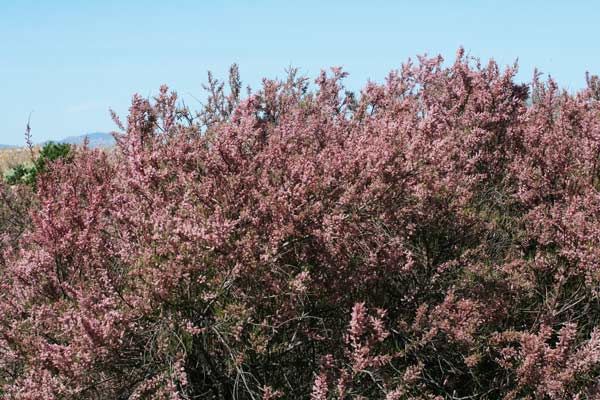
<point>437,236</point>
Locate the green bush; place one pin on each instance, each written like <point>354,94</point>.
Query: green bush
<point>27,173</point>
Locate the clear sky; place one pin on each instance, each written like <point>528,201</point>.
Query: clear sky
<point>69,61</point>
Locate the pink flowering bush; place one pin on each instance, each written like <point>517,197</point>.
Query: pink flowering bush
<point>435,237</point>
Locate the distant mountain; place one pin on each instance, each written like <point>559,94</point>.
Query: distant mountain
<point>95,139</point>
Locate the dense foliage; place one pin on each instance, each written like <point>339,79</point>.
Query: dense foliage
<point>437,236</point>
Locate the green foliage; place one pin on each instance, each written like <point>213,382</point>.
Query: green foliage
<point>27,173</point>
<point>21,174</point>
<point>50,152</point>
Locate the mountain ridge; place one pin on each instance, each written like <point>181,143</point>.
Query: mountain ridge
<point>95,139</point>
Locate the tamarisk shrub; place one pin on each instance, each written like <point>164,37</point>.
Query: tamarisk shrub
<point>433,237</point>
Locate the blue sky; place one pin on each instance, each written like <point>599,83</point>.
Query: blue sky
<point>69,61</point>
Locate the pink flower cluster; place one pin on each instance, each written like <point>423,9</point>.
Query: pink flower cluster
<point>436,236</point>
